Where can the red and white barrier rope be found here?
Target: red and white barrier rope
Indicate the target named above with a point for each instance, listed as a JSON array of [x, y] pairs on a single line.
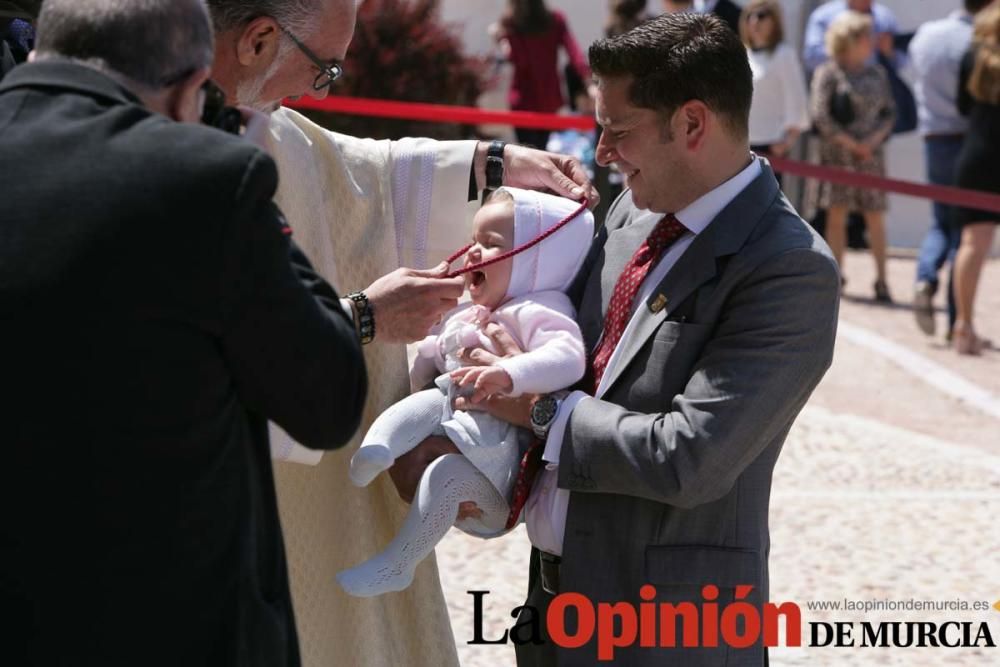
[[939, 193], [441, 113]]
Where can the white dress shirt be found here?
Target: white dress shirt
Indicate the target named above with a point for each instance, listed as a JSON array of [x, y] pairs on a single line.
[[545, 509]]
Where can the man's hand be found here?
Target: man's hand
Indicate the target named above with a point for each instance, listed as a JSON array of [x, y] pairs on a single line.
[[533, 169], [409, 468], [486, 380], [516, 411], [503, 342], [407, 303]]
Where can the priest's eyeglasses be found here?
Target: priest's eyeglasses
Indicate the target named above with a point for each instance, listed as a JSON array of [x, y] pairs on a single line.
[[328, 72]]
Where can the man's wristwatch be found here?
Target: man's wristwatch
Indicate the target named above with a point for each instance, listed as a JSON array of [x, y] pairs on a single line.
[[365, 316], [543, 413], [494, 165]]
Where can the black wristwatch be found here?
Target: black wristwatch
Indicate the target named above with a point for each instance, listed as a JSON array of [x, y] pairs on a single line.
[[494, 165], [543, 413], [365, 315]]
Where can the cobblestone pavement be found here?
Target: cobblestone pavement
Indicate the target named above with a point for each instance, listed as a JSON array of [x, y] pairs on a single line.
[[886, 490]]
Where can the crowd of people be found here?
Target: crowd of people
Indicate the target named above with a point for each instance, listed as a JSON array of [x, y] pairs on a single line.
[[622, 382], [844, 93]]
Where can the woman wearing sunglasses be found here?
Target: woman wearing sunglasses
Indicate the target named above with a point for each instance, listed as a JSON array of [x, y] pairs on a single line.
[[780, 109]]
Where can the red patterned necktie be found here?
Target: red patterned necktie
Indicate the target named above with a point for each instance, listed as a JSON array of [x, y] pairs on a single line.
[[645, 258], [531, 462], [666, 232]]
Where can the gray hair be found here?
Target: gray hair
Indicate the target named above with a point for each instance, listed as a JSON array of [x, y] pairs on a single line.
[[152, 42], [298, 16]]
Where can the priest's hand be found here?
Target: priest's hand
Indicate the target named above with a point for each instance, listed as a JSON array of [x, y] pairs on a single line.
[[407, 303], [532, 169]]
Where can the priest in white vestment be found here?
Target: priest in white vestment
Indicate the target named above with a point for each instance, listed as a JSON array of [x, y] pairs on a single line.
[[359, 209]]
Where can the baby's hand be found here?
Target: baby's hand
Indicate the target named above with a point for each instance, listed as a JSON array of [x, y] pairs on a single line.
[[487, 380]]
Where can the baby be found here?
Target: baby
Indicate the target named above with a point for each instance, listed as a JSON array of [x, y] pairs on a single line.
[[525, 295]]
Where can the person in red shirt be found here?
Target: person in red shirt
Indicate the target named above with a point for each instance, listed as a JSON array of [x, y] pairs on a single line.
[[531, 36]]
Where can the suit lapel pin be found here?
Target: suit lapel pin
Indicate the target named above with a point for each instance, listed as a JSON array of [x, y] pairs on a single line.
[[659, 303]]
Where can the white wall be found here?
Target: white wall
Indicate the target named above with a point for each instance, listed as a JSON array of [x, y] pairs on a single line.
[[908, 218]]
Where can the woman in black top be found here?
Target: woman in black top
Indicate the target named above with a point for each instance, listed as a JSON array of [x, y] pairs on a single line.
[[977, 169]]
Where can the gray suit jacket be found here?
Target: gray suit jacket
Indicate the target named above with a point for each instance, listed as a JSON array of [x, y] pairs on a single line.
[[670, 472]]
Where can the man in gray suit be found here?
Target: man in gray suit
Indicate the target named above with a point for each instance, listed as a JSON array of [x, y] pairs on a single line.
[[710, 309]]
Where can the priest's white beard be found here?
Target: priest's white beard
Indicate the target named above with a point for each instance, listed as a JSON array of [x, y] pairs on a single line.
[[248, 92]]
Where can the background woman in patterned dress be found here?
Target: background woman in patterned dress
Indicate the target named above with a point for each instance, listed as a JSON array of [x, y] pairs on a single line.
[[852, 108]]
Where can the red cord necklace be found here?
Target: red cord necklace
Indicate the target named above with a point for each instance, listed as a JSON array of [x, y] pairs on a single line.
[[516, 251]]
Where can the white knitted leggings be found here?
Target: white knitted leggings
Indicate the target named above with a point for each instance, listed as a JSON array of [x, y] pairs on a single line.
[[396, 431], [447, 482]]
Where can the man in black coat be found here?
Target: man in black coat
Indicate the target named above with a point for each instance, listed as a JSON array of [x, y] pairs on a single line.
[[154, 314]]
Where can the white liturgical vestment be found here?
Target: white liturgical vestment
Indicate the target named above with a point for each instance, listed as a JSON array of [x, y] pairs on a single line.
[[359, 209]]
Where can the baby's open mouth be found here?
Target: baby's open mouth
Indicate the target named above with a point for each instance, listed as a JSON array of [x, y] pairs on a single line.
[[478, 278]]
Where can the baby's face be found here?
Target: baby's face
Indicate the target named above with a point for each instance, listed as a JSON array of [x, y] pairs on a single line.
[[492, 235]]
